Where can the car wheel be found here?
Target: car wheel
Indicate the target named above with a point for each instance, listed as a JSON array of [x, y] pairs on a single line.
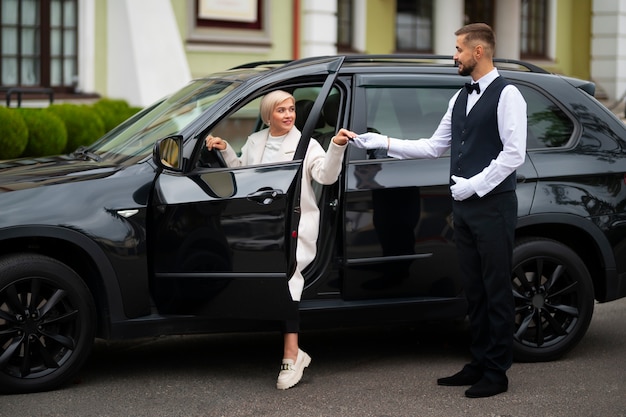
[[553, 299], [47, 323]]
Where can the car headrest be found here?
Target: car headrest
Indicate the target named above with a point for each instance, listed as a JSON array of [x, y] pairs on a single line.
[[303, 110], [331, 109]]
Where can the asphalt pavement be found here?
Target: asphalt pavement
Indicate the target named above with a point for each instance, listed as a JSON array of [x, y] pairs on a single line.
[[369, 372]]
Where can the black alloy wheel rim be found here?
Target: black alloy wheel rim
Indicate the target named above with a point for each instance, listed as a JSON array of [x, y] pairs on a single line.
[[546, 302], [39, 326]]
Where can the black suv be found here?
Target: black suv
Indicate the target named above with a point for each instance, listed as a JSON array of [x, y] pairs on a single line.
[[147, 233]]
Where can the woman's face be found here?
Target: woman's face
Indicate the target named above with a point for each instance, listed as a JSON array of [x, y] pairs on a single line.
[[283, 117]]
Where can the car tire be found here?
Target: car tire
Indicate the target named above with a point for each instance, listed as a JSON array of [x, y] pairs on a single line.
[[554, 299], [47, 323]]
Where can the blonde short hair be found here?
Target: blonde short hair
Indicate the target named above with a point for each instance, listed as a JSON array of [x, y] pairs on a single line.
[[270, 101]]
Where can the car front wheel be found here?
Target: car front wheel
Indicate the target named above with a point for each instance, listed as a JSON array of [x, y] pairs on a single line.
[[47, 323], [553, 299]]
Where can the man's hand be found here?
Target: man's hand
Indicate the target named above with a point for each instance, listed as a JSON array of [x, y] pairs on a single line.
[[371, 141], [462, 189]]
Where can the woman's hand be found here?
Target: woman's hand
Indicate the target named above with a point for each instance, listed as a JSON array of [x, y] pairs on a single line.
[[214, 142], [343, 136]]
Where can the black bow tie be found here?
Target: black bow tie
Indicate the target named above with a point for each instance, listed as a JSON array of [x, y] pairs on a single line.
[[472, 87]]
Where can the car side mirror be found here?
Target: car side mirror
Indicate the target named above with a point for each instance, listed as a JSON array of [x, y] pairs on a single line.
[[167, 153]]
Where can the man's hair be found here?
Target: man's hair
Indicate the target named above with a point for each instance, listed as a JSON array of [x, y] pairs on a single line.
[[270, 101], [480, 33]]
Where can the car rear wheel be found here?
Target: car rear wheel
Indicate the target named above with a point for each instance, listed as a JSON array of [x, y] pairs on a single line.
[[553, 299], [47, 323]]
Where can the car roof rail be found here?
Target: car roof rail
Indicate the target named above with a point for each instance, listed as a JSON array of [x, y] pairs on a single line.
[[408, 57], [284, 62], [395, 57], [530, 67], [388, 58], [256, 64]]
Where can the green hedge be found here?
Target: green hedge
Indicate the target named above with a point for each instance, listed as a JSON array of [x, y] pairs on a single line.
[[59, 128], [83, 125], [47, 134], [113, 112], [14, 134]]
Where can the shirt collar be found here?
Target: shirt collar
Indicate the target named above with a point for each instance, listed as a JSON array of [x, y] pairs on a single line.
[[487, 79]]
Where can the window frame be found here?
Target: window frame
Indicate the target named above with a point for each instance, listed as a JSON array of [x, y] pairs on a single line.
[[43, 50], [534, 30], [345, 26], [220, 35], [414, 27], [480, 11]]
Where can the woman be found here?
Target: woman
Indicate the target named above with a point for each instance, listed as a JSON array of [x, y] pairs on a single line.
[[275, 144]]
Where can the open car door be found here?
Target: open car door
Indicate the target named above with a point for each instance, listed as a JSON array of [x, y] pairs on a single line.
[[225, 238]]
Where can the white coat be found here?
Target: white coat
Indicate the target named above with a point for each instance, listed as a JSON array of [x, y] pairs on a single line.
[[323, 167]]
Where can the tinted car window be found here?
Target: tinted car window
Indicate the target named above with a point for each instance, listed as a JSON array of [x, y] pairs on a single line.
[[548, 125], [414, 113], [236, 127], [410, 113], [136, 138]]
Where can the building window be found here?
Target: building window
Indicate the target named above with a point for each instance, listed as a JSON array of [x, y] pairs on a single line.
[[217, 25], [345, 29], [414, 25], [39, 44], [240, 14], [534, 29], [479, 11]]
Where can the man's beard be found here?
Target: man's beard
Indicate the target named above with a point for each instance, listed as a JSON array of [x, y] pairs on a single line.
[[467, 68]]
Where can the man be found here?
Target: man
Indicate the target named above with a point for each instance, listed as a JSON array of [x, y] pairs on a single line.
[[485, 130]]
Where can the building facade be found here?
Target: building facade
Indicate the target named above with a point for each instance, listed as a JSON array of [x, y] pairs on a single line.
[[142, 50]]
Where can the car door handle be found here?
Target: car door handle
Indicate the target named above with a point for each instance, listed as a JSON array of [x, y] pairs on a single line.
[[264, 196], [521, 178]]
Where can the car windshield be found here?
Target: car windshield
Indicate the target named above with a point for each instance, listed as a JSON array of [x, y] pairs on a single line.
[[135, 138]]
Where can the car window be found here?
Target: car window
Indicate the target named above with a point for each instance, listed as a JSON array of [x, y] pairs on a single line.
[[406, 112], [237, 126], [415, 112], [135, 138], [548, 125]]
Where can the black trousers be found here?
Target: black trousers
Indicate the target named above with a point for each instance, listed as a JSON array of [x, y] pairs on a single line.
[[484, 232], [292, 325]]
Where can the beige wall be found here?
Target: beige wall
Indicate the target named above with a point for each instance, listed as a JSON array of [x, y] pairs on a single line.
[[573, 39], [380, 28], [100, 47], [207, 59]]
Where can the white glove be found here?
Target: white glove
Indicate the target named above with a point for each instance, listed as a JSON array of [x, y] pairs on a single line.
[[462, 189], [371, 141]]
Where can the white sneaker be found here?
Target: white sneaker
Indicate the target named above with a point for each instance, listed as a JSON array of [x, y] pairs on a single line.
[[290, 372]]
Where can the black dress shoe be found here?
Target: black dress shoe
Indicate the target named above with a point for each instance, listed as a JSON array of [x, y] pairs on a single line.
[[485, 388], [464, 377]]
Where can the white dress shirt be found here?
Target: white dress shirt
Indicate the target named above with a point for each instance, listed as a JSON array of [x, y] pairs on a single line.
[[512, 126]]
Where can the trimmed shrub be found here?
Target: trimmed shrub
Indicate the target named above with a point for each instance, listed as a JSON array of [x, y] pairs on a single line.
[[112, 112], [46, 133], [14, 137], [83, 125], [133, 110]]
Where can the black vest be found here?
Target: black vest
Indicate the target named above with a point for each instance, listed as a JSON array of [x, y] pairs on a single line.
[[475, 137]]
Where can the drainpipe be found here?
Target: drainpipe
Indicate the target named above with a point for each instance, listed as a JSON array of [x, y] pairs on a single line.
[[296, 30]]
